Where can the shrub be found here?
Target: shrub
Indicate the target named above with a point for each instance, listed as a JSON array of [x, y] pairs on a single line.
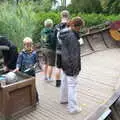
[[41, 17], [95, 19], [16, 22]]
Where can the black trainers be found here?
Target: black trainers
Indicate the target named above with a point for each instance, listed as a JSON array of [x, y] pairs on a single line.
[[58, 83], [64, 102]]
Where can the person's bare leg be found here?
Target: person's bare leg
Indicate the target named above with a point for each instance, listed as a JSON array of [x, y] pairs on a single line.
[[49, 72], [58, 71], [45, 71], [57, 77]]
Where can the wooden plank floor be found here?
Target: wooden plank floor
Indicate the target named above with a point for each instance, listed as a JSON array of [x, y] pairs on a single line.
[[98, 80]]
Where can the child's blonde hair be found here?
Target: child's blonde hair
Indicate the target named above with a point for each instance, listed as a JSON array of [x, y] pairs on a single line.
[[27, 40]]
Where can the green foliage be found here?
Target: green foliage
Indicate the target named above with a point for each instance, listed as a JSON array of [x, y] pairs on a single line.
[[95, 6], [96, 19], [86, 6], [43, 5], [27, 19], [90, 20], [111, 6], [16, 22], [41, 17]]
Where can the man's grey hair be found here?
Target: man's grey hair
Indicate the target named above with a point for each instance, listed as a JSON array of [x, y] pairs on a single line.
[[48, 22]]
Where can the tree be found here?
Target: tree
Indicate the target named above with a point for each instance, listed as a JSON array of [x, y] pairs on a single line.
[[87, 6], [17, 1], [63, 3], [53, 3], [111, 6], [2, 1]]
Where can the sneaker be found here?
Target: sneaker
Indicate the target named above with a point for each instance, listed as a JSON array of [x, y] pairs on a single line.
[[49, 80], [37, 102], [78, 110]]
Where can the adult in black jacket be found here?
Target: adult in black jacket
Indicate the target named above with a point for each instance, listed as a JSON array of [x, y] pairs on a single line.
[[71, 63], [48, 48], [70, 52], [10, 54]]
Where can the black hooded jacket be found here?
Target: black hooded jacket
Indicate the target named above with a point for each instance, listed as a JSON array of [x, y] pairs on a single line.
[[10, 55], [70, 52], [57, 29]]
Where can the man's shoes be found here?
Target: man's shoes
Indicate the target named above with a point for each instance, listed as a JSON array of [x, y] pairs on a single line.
[[78, 110], [58, 83], [49, 80], [64, 102]]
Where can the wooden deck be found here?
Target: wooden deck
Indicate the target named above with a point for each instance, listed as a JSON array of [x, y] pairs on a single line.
[[99, 78]]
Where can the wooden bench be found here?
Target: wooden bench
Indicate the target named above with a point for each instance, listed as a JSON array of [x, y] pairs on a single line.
[[17, 98]]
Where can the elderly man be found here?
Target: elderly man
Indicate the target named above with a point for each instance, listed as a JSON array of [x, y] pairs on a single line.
[[48, 44]]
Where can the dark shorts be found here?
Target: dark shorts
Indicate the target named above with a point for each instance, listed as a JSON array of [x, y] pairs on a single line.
[[49, 57], [58, 61]]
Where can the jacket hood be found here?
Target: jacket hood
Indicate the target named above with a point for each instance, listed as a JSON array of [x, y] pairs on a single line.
[[5, 42], [64, 33]]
